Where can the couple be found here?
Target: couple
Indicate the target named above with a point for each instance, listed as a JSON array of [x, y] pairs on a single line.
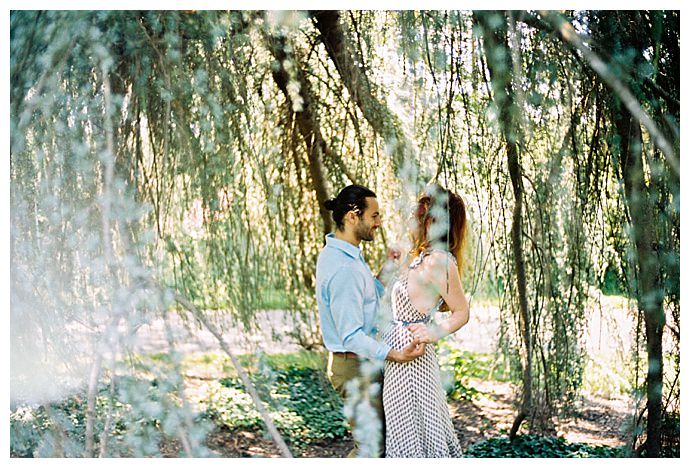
[[412, 407]]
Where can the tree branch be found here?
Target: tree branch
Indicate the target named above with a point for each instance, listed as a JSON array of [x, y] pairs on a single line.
[[282, 446], [305, 116], [382, 120], [567, 34]]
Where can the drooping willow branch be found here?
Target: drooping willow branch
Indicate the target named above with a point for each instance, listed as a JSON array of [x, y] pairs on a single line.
[[268, 421], [498, 61], [569, 35]]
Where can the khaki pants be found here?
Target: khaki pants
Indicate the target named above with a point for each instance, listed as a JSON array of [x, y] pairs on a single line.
[[341, 370]]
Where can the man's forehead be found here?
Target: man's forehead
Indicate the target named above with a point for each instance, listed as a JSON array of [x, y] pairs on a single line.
[[372, 204]]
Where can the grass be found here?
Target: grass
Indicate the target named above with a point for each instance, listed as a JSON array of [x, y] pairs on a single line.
[[219, 362], [293, 386]]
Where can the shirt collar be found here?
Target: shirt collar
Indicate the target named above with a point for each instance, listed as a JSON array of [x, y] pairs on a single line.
[[351, 250]]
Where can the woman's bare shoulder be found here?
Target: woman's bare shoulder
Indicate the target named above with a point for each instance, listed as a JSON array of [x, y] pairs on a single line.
[[438, 263], [441, 258]]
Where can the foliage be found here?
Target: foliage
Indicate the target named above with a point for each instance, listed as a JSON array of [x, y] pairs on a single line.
[[458, 366], [608, 377], [670, 442], [273, 299], [302, 403], [532, 446], [194, 149], [300, 399], [612, 283], [139, 418]]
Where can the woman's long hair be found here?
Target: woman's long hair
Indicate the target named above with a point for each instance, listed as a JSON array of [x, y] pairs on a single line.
[[440, 223]]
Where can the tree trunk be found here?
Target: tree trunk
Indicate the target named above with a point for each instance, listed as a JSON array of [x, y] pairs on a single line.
[[306, 119], [628, 115], [362, 92], [644, 221], [498, 60]]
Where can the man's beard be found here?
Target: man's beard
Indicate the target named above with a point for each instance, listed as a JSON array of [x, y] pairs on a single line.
[[364, 232]]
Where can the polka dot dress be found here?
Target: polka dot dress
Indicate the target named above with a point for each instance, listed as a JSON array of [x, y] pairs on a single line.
[[418, 422]]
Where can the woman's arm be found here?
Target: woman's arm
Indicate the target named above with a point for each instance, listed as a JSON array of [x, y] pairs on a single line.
[[390, 266], [442, 275]]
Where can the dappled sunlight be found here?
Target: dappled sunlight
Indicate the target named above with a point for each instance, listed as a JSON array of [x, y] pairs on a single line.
[[169, 178]]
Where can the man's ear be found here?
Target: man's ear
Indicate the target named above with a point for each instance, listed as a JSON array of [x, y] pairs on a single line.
[[350, 216]]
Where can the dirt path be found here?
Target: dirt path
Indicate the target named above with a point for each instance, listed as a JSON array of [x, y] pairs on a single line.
[[599, 421], [609, 330], [274, 332]]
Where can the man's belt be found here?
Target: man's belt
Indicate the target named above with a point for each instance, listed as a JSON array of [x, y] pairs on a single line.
[[345, 354]]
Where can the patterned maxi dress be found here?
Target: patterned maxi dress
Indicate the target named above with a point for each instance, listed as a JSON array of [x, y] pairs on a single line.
[[418, 422]]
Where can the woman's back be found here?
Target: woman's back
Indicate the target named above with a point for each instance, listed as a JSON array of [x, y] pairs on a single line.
[[428, 278]]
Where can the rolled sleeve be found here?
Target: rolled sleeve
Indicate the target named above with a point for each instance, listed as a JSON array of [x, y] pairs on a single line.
[[380, 288], [347, 306]]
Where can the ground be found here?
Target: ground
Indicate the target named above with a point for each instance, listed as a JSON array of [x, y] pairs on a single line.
[[599, 421]]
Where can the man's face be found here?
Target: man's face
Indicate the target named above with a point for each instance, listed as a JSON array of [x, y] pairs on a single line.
[[370, 220]]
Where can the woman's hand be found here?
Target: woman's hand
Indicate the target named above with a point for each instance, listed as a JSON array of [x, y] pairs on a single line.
[[422, 333], [410, 353], [393, 253], [390, 266]]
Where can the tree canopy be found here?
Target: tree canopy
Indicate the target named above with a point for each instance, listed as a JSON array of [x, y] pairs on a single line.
[[157, 155]]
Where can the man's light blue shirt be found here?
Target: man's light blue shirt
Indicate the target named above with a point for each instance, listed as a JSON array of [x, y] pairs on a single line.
[[348, 298]]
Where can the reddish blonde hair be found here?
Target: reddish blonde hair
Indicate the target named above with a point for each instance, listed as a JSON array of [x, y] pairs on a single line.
[[452, 239]]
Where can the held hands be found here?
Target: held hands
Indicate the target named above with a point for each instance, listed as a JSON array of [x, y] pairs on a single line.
[[390, 266], [393, 254], [409, 353], [413, 350], [422, 333]]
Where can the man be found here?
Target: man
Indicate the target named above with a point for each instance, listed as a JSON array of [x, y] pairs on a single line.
[[348, 295]]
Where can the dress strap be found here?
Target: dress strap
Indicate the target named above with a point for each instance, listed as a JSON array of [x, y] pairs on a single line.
[[418, 260]]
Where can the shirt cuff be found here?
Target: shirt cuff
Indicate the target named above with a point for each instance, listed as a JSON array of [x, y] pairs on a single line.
[[382, 352]]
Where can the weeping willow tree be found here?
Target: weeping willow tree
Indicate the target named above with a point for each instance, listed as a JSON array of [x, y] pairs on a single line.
[[187, 150], [187, 155], [621, 95], [646, 148]]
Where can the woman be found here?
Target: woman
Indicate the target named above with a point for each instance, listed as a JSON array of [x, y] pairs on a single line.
[[417, 418]]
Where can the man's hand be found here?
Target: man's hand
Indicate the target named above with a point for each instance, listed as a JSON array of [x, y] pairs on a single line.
[[410, 353], [422, 333]]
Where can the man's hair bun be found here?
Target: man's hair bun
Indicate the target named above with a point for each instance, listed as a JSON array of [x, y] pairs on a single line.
[[351, 198]]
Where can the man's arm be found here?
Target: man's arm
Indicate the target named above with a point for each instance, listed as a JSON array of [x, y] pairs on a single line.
[[347, 306]]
